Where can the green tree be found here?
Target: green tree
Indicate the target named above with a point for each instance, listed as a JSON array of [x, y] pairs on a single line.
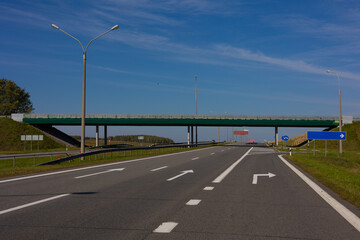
[[13, 99]]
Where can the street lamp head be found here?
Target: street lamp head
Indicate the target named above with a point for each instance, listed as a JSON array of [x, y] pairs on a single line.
[[115, 27], [328, 71], [55, 27]]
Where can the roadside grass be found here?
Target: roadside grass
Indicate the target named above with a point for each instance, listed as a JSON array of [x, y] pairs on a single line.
[[27, 165], [342, 174], [339, 172]]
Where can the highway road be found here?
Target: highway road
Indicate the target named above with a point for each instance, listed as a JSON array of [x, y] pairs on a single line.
[[223, 192]]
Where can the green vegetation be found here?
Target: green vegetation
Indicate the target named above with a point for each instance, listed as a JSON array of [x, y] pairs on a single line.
[[10, 137], [13, 99], [341, 174]]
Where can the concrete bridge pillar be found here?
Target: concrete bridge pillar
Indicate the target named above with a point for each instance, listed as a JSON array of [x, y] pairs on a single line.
[[276, 135], [192, 134], [196, 135], [188, 135], [105, 135], [97, 136]]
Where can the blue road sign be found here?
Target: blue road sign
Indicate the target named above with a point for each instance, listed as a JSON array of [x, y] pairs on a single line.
[[326, 135], [285, 138]]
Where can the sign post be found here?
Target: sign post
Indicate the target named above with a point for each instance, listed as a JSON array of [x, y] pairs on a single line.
[[241, 133], [314, 135], [285, 138], [31, 138]]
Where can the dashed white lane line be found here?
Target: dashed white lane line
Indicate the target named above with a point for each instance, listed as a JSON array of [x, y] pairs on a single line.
[[222, 150], [208, 188], [33, 203], [166, 227], [229, 169], [341, 209], [107, 171], [212, 153], [157, 169], [193, 202], [195, 158]]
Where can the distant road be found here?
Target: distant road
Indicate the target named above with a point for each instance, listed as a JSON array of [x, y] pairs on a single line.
[[201, 194]]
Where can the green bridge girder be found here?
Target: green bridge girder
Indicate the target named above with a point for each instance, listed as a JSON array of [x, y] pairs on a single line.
[[184, 120]]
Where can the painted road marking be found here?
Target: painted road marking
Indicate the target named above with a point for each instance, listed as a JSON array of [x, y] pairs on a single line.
[[222, 150], [181, 174], [33, 203], [255, 177], [193, 202], [157, 169], [208, 188], [229, 169], [166, 227], [212, 153], [341, 209], [107, 171], [98, 166], [195, 158]]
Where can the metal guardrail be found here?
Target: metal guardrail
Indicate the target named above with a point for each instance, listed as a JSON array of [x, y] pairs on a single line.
[[81, 155]]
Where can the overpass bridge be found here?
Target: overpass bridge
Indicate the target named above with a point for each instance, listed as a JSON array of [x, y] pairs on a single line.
[[46, 122]]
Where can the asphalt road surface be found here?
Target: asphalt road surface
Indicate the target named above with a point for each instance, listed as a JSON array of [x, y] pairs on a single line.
[[224, 192]]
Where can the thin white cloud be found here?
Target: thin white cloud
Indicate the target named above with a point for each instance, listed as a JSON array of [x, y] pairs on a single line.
[[219, 54]]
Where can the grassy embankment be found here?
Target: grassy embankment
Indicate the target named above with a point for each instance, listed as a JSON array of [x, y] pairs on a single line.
[[10, 138], [341, 174]]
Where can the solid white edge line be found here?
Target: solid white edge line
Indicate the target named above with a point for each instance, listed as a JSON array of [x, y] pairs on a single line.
[[193, 202], [33, 203], [229, 169], [208, 188], [166, 227], [341, 209], [157, 169], [98, 166]]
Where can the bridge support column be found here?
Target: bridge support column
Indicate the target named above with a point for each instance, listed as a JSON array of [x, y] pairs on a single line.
[[105, 135], [188, 135], [97, 136], [192, 134], [276, 135], [196, 135]]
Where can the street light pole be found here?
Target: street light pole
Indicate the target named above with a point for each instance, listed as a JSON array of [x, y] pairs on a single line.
[[340, 116], [84, 79]]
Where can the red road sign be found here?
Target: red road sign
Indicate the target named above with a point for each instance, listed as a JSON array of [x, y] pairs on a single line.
[[246, 132]]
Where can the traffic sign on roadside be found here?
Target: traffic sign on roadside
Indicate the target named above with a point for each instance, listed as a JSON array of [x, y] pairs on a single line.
[[285, 138], [244, 132], [326, 135]]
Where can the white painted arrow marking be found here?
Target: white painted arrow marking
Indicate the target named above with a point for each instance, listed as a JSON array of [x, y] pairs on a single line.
[[181, 174], [255, 177], [107, 171]]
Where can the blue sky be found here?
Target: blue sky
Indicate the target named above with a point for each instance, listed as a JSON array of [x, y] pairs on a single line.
[[251, 57]]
